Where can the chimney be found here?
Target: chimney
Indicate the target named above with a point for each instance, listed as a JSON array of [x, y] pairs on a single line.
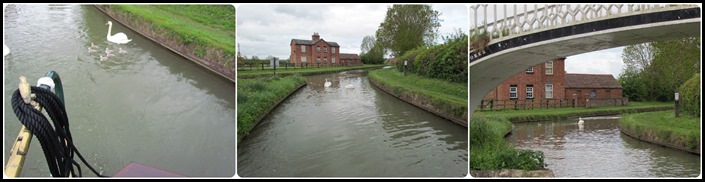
[[315, 36]]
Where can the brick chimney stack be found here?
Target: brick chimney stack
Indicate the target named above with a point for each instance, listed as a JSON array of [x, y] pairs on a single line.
[[315, 36]]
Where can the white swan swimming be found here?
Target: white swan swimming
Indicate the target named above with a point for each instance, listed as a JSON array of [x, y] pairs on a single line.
[[349, 86], [118, 38], [327, 84], [580, 121], [5, 50]]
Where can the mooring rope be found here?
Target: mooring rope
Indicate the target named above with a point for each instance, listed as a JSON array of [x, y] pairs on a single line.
[[56, 142]]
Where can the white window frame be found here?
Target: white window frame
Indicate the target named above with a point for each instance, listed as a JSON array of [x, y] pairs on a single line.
[[318, 60], [530, 92], [325, 60], [333, 60], [332, 49], [303, 48], [303, 59], [549, 68], [513, 92], [325, 49], [530, 70], [549, 91], [318, 48]]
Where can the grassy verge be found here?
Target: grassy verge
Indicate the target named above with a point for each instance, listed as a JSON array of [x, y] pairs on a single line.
[[204, 31], [258, 96], [490, 151], [663, 127], [564, 113], [447, 96], [258, 72]]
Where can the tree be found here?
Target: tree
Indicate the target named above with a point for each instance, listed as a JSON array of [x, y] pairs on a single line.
[[654, 71], [367, 44], [406, 27], [371, 51]]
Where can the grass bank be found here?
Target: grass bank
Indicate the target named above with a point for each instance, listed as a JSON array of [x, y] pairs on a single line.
[[258, 96], [664, 128], [565, 113], [490, 151], [258, 72], [202, 32], [441, 96]]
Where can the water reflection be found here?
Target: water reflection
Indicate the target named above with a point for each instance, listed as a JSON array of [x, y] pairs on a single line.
[[599, 149], [351, 132]]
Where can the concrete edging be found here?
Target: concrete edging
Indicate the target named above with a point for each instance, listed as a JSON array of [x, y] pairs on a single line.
[[405, 99], [261, 117], [194, 60], [653, 141]]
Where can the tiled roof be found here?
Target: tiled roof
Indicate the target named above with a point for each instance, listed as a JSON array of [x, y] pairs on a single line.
[[311, 42], [349, 56], [591, 81]]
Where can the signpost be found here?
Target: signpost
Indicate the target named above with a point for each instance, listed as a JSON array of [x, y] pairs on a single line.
[[404, 70], [676, 104], [274, 63]]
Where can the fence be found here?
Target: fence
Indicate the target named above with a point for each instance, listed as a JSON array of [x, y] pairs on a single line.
[[489, 105], [282, 65]]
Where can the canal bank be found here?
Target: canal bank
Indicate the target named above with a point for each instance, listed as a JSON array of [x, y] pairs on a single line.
[[257, 97], [516, 116], [663, 128], [491, 155], [190, 34], [443, 98]]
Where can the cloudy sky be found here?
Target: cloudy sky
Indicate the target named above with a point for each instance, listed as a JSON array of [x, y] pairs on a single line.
[[264, 30]]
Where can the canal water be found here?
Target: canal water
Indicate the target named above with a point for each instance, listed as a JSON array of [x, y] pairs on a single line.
[[148, 105], [352, 132], [599, 149]]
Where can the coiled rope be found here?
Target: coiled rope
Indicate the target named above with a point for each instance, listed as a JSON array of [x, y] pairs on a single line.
[[56, 142]]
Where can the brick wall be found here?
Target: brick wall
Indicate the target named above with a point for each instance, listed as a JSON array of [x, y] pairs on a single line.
[[538, 78]]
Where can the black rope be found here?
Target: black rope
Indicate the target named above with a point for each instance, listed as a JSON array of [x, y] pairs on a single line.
[[56, 141]]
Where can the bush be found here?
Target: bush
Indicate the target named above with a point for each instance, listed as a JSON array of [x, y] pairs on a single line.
[[690, 96], [490, 151], [446, 61]]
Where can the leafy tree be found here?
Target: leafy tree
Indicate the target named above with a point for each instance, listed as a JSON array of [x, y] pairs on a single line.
[[371, 51], [407, 26]]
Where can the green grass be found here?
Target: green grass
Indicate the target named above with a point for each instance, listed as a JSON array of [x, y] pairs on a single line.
[[665, 127], [255, 98], [490, 151], [446, 95], [566, 112], [258, 72], [207, 25]]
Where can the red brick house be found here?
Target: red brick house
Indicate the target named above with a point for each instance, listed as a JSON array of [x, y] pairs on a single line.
[[319, 52], [548, 85], [543, 81]]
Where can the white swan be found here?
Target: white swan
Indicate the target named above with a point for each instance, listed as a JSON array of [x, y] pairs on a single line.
[[118, 38], [327, 84], [349, 86], [5, 50], [580, 121], [121, 51], [108, 51]]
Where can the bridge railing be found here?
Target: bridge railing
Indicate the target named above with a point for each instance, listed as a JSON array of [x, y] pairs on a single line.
[[526, 20], [530, 104]]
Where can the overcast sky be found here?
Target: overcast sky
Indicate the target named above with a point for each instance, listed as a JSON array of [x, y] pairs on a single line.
[[264, 30]]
